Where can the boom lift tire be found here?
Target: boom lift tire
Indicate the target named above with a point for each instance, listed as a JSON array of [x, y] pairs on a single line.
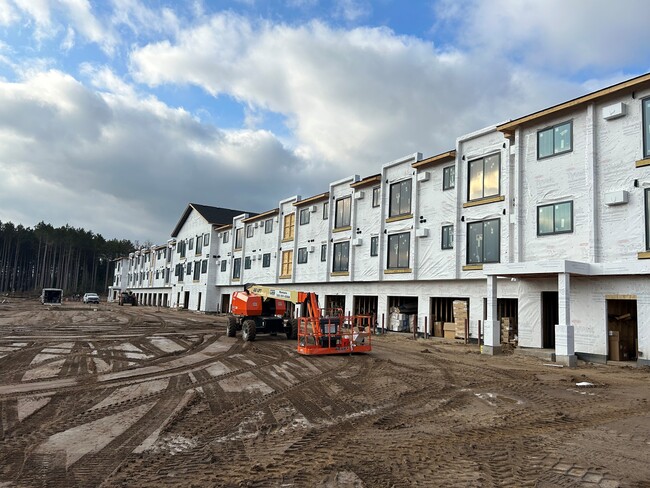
[[292, 335], [248, 330], [231, 327]]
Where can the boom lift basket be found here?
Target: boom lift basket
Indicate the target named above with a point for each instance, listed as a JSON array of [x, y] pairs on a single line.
[[336, 334]]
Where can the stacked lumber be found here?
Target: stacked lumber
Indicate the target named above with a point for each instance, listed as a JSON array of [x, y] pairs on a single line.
[[507, 330], [460, 315]]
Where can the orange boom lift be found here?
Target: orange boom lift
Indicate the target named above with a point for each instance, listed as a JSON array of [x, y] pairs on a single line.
[[318, 331]]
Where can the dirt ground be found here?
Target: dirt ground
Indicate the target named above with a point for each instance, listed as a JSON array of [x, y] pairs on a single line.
[[134, 396]]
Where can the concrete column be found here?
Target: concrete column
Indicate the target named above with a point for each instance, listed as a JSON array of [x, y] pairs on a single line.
[[492, 327], [564, 334]]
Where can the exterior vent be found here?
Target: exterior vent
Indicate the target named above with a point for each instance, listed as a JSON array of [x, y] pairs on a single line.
[[311, 249], [358, 195], [614, 111], [423, 176], [313, 208], [422, 233], [616, 198], [357, 242]]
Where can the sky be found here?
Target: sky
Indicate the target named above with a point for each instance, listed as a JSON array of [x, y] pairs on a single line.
[[115, 114]]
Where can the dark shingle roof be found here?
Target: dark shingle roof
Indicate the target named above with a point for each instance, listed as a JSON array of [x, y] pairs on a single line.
[[212, 215]]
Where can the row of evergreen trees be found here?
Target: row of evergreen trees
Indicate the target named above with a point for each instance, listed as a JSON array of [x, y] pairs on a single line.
[[75, 260]]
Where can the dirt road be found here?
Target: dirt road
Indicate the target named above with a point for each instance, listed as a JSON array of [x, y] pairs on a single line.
[[120, 396]]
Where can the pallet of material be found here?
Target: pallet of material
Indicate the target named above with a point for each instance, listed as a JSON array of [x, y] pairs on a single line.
[[449, 329]]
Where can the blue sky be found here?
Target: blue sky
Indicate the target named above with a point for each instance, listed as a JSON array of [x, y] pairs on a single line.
[[119, 106]]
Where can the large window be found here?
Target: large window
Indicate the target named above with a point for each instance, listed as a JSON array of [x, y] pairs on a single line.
[[224, 237], [197, 271], [483, 241], [191, 244], [646, 127], [302, 255], [448, 177], [323, 252], [247, 262], [484, 177], [376, 196], [326, 210], [236, 268], [289, 226], [374, 245], [199, 245], [266, 260], [400, 198], [287, 264], [343, 209], [341, 257], [555, 140], [223, 265], [249, 231], [206, 239], [447, 237], [268, 226], [304, 216], [238, 238], [555, 219], [399, 250], [204, 266]]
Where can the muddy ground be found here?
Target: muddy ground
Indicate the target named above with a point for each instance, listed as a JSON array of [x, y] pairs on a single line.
[[120, 396]]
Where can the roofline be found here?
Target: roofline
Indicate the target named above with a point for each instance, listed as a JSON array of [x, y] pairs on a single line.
[[315, 198], [223, 227], [367, 181], [424, 163], [261, 216], [508, 127]]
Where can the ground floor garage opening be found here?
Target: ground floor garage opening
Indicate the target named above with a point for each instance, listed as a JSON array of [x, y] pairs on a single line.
[[622, 330], [550, 317], [335, 302], [403, 313], [507, 315], [225, 303]]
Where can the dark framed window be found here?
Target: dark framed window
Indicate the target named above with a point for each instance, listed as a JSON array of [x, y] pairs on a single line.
[[484, 241], [374, 245], [343, 211], [166, 275], [223, 265], [181, 246], [189, 269], [399, 249], [304, 216], [448, 177], [249, 231], [556, 218], [268, 226], [204, 266], [191, 244], [484, 177], [247, 262], [236, 268], [646, 127], [323, 252], [376, 196], [302, 255], [554, 140], [326, 210], [199, 245], [400, 198], [224, 237], [266, 260], [197, 271], [238, 238], [206, 239], [447, 237], [157, 274], [341, 257]]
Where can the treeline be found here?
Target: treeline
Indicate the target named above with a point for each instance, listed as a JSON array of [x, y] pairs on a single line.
[[75, 260]]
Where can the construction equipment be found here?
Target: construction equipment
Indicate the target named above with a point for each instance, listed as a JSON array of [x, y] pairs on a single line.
[[259, 309], [128, 298]]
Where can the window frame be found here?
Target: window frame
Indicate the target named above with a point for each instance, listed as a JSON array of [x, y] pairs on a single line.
[[196, 276], [449, 180], [236, 269], [552, 130], [302, 255], [268, 226], [239, 237], [347, 220], [337, 265], [225, 237], [555, 232], [224, 264], [287, 264], [247, 262], [323, 253], [204, 266], [206, 240], [646, 126], [392, 212], [266, 260], [389, 252], [467, 250], [199, 246], [483, 195], [374, 246], [289, 227], [448, 243], [190, 244], [304, 216], [250, 231], [376, 196], [326, 210]]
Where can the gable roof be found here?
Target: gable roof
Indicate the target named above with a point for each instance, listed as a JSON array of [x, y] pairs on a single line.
[[212, 215]]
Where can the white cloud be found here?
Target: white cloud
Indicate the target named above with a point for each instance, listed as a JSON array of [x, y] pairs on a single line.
[[7, 13], [82, 18], [351, 10]]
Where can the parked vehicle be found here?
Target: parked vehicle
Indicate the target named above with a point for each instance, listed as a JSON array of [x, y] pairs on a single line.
[[91, 298], [128, 298], [51, 296]]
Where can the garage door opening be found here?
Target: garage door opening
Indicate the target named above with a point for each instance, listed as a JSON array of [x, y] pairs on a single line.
[[441, 312], [403, 313], [334, 302], [366, 305], [550, 317], [622, 330], [507, 315]]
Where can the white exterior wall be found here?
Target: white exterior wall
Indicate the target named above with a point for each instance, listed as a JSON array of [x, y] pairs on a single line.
[[286, 207], [262, 243], [311, 236], [338, 190], [223, 251], [368, 225]]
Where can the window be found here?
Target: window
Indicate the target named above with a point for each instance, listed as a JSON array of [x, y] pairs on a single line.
[[304, 216], [268, 226], [189, 269], [342, 217], [399, 250], [249, 231], [199, 245], [191, 244], [326, 210], [236, 268], [157, 274], [323, 253], [483, 241], [287, 263], [555, 219], [206, 239], [302, 255], [180, 273], [181, 248], [247, 262], [374, 245], [223, 265], [400, 198], [238, 238], [266, 260], [449, 177], [197, 271], [484, 177], [376, 196], [341, 257], [166, 275], [204, 266], [554, 140], [224, 237], [289, 225], [447, 237], [646, 127]]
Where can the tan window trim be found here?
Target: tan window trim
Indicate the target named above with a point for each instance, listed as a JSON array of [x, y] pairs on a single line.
[[340, 273], [237, 249], [472, 267], [342, 229], [398, 271], [643, 162], [644, 255], [284, 277], [484, 201], [399, 217], [620, 297], [289, 239], [236, 279]]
